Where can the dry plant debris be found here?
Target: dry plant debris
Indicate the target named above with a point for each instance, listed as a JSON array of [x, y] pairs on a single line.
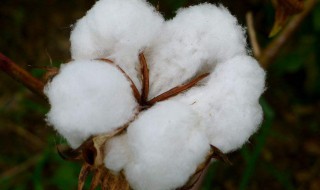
[[285, 9]]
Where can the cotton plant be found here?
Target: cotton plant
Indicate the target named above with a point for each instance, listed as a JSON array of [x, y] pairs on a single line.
[[148, 103]]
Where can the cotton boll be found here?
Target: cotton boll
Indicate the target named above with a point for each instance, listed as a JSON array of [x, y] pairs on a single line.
[[118, 153], [89, 98], [167, 145], [193, 42], [229, 102], [117, 29]]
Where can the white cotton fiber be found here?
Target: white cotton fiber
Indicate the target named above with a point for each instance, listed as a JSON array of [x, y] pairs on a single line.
[[117, 29], [88, 98], [165, 142], [84, 44], [118, 153], [167, 145], [193, 42], [229, 102]]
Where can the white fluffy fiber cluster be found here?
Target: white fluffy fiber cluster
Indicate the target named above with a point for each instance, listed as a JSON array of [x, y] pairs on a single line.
[[228, 102], [118, 29], [164, 144], [196, 40], [87, 98]]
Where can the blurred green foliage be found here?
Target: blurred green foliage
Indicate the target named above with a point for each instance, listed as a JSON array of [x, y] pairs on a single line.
[[283, 154]]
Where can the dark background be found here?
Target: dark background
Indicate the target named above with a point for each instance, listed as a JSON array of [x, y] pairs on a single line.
[[284, 154]]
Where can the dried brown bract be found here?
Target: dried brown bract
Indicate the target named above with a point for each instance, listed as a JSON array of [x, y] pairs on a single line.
[[285, 9]]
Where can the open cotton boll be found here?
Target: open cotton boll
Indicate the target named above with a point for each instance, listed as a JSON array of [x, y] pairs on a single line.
[[167, 145], [229, 102], [118, 153], [117, 29], [193, 42], [89, 98]]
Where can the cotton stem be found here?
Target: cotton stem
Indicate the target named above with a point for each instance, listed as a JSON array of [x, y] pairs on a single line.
[[21, 75], [252, 35]]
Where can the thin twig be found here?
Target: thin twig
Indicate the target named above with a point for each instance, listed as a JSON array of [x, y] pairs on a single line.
[[252, 35], [269, 54], [22, 76]]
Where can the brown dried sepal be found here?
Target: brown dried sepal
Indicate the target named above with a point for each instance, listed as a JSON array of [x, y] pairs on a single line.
[[50, 73], [102, 177], [214, 153], [145, 78], [91, 152], [285, 9], [114, 181]]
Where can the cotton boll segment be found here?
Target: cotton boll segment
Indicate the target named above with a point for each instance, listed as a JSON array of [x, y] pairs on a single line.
[[229, 102], [84, 44], [193, 42], [116, 25], [218, 32], [117, 29], [167, 145], [89, 98], [118, 153]]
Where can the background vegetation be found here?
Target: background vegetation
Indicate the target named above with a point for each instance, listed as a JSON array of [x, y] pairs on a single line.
[[284, 154]]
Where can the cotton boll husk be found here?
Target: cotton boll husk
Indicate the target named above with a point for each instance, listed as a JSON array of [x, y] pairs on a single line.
[[193, 42], [89, 98], [116, 29], [118, 153], [229, 102], [167, 144]]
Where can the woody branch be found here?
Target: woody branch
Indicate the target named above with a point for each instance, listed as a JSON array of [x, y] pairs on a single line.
[[21, 75]]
